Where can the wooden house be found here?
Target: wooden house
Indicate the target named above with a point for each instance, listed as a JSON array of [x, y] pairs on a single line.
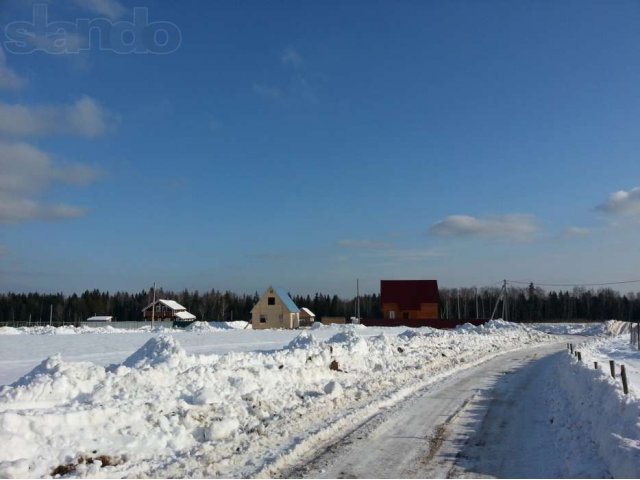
[[275, 309], [166, 310], [409, 299], [307, 317]]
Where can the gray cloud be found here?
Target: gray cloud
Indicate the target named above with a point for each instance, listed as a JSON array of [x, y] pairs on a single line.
[[518, 227], [85, 117], [26, 173], [622, 203], [577, 232]]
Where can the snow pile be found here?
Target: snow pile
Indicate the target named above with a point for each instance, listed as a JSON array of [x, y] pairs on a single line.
[[217, 326], [616, 327], [157, 351], [585, 329], [165, 413], [607, 416], [200, 327], [9, 331]]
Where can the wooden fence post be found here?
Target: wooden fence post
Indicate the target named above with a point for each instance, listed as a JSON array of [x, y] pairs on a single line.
[[579, 357], [625, 385], [595, 365], [571, 348], [612, 367]]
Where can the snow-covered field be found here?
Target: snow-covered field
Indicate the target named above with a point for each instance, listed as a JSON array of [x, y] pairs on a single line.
[[207, 403], [233, 402]]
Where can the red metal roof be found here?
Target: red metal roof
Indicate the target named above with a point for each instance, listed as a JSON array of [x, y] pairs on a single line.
[[409, 294]]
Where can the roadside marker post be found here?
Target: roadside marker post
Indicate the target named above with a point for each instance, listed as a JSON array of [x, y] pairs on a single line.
[[612, 367], [625, 385]]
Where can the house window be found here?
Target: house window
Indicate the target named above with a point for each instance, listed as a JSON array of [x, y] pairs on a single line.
[[405, 315], [263, 319], [392, 315], [271, 300]]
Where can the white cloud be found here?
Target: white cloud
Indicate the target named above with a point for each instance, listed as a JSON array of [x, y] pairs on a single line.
[[267, 90], [108, 8], [622, 203], [85, 117], [291, 56], [9, 80], [577, 232], [510, 227], [26, 173], [13, 211]]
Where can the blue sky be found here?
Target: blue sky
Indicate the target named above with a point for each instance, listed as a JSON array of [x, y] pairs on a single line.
[[307, 144]]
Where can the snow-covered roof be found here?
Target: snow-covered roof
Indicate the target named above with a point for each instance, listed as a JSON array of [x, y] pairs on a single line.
[[185, 316], [307, 311], [172, 304], [100, 318]]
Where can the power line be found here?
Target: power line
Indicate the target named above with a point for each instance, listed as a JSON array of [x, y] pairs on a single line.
[[573, 284]]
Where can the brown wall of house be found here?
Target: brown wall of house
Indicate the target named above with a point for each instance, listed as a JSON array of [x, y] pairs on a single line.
[[333, 320], [428, 311], [158, 315]]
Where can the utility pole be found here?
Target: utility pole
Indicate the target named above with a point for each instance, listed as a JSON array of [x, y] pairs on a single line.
[[502, 297], [458, 293], [153, 305], [50, 314], [505, 311], [358, 299]]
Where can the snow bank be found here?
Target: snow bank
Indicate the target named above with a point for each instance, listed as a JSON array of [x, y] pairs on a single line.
[[165, 413], [217, 326], [85, 329], [607, 416], [616, 327], [64, 330], [585, 329]]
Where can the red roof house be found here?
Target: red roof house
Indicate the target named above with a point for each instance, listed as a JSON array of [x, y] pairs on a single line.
[[409, 299]]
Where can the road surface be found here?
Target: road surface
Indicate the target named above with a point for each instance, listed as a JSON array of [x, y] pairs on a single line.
[[503, 418]]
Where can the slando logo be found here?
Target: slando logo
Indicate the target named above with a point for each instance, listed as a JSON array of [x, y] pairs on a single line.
[[139, 36]]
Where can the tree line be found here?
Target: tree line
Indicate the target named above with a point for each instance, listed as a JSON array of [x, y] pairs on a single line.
[[523, 304]]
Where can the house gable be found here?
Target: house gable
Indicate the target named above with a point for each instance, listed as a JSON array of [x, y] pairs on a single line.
[[275, 309]]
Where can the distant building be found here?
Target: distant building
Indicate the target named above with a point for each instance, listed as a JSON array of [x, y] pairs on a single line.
[[100, 318], [307, 317], [333, 320], [409, 299], [166, 310], [275, 309]]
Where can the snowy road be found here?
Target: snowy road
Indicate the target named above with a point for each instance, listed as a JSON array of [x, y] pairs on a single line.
[[503, 418]]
